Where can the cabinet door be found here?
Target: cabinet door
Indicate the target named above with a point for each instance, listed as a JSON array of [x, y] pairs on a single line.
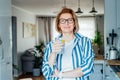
[[118, 13], [5, 41], [98, 72], [6, 70], [110, 74]]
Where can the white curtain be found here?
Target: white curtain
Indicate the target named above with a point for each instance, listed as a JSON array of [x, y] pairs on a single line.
[[87, 26], [44, 29]]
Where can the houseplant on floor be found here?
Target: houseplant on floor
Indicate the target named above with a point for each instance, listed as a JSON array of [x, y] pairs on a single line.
[[38, 53]]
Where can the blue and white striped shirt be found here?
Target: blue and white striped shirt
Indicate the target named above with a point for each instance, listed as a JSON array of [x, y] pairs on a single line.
[[82, 57]]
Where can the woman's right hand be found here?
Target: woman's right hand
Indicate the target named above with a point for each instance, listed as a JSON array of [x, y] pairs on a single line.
[[57, 46]]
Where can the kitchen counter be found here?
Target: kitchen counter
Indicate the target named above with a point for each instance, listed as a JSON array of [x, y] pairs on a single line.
[[109, 62], [113, 62], [99, 57]]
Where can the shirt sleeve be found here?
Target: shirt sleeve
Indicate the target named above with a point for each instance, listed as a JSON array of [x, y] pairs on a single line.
[[46, 69], [88, 59]]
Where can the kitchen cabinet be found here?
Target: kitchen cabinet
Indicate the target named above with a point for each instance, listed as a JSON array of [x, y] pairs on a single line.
[[98, 71], [118, 13], [110, 74]]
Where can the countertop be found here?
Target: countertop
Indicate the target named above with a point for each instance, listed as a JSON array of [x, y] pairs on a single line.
[[113, 62], [109, 62], [99, 57]]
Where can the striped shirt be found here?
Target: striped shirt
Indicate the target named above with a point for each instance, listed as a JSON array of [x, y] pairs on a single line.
[[82, 57]]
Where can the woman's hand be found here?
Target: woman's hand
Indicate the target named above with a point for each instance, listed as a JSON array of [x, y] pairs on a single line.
[[57, 46], [56, 73]]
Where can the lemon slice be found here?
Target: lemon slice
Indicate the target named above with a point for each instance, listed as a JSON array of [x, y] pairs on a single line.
[[63, 41]]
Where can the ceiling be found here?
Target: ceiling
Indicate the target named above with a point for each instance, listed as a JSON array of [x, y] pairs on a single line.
[[51, 7]]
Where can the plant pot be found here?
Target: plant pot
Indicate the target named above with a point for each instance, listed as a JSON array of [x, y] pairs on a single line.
[[36, 71]]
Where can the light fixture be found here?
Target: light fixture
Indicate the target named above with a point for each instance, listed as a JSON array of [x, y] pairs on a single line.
[[64, 6], [79, 10], [93, 9]]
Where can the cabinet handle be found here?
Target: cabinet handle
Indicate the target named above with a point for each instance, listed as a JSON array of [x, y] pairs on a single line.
[[107, 76], [0, 41], [2, 53], [101, 71], [2, 56], [1, 44], [8, 63]]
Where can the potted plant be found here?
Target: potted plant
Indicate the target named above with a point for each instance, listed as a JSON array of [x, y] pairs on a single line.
[[38, 54], [40, 48], [97, 41]]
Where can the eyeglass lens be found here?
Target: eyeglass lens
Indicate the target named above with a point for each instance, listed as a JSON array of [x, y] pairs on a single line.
[[69, 20]]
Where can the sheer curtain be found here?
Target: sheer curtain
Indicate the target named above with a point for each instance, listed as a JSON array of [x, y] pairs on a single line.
[[87, 26], [44, 29]]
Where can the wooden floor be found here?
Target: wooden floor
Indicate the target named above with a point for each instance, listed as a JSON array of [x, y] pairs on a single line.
[[29, 75]]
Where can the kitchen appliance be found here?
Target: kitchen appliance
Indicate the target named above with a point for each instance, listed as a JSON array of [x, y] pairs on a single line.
[[112, 51]]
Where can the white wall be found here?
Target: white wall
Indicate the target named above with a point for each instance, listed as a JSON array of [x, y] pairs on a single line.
[[23, 43]]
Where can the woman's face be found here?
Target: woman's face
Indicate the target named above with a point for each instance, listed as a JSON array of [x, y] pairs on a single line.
[[66, 23]]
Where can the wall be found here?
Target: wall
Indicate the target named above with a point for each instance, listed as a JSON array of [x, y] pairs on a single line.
[[23, 43]]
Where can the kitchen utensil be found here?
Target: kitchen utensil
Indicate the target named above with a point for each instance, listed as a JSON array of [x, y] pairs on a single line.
[[112, 35], [112, 53]]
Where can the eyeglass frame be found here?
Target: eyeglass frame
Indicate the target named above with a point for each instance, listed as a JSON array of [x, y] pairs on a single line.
[[68, 20]]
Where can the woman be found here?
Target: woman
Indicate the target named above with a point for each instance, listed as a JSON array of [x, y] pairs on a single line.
[[76, 63]]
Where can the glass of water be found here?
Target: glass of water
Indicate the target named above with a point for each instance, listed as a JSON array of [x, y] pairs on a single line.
[[63, 45]]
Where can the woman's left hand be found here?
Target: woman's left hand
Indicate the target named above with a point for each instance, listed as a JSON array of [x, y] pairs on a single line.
[[56, 73]]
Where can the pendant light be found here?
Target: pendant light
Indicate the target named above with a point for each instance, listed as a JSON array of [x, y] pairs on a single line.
[[79, 10], [93, 9], [64, 6]]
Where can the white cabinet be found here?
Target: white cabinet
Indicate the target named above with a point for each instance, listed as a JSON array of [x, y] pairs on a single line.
[[6, 70], [118, 13], [5, 42], [98, 71], [110, 74]]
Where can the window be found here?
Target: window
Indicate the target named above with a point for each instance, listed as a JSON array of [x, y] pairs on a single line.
[[87, 26]]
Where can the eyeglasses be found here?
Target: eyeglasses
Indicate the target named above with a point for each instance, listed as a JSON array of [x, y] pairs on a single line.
[[63, 21]]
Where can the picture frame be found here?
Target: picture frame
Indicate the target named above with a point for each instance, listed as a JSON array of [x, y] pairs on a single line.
[[28, 30]]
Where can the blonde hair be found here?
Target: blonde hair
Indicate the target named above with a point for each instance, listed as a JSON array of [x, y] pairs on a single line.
[[67, 10]]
